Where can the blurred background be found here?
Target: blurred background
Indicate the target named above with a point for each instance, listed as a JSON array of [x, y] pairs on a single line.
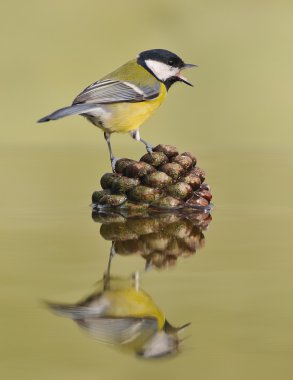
[[52, 50], [237, 120]]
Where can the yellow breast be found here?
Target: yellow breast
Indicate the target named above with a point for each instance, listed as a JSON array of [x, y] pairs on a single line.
[[132, 303], [125, 117]]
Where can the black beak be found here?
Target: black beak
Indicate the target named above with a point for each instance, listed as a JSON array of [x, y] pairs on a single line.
[[182, 78], [189, 65]]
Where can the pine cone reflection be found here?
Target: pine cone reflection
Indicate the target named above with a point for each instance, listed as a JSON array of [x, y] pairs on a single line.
[[159, 238]]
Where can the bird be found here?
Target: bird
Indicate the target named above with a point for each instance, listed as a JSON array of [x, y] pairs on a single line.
[[121, 314], [124, 99]]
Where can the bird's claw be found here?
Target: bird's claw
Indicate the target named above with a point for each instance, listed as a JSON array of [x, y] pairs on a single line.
[[149, 149], [113, 162]]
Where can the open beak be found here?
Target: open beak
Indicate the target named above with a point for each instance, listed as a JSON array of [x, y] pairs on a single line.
[[181, 77]]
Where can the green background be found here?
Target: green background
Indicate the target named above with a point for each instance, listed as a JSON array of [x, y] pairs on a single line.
[[238, 121], [51, 50]]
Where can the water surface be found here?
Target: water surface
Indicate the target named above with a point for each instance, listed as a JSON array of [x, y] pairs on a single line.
[[236, 292]]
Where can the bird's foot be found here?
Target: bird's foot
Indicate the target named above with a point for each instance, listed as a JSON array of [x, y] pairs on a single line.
[[113, 163], [149, 148]]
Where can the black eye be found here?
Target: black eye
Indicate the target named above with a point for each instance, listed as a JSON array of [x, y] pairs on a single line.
[[171, 62]]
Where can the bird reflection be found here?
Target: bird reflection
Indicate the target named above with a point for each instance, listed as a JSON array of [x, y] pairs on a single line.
[[121, 314], [159, 238]]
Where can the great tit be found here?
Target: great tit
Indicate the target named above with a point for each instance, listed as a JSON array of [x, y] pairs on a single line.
[[121, 314], [122, 100]]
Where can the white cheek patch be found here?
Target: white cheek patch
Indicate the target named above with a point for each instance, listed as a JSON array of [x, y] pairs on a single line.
[[161, 70]]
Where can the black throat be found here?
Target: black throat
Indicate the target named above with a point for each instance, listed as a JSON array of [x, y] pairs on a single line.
[[168, 83]]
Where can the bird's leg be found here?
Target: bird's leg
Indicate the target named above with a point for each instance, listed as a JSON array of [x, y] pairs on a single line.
[[136, 136], [112, 158], [135, 278], [148, 265], [112, 254], [107, 273]]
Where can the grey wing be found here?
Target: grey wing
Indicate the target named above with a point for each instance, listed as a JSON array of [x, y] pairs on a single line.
[[119, 330], [114, 91]]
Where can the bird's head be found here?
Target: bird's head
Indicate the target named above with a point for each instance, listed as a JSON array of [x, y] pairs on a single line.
[[164, 65]]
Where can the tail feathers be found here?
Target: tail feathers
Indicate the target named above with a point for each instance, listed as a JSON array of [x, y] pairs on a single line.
[[76, 311], [67, 111]]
